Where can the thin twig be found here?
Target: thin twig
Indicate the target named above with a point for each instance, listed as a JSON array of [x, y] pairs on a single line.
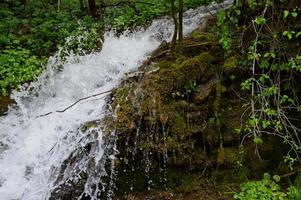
[[291, 173], [82, 99]]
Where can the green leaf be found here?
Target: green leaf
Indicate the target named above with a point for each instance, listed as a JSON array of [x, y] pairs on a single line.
[[260, 20], [276, 178], [237, 130], [285, 14], [270, 112], [246, 85], [265, 124], [294, 14], [257, 140]]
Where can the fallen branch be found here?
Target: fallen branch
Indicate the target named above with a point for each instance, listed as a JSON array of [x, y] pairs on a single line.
[[120, 3], [82, 99], [162, 53], [205, 44], [291, 173]]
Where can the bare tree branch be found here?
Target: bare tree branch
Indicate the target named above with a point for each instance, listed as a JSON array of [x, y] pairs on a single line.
[[82, 99]]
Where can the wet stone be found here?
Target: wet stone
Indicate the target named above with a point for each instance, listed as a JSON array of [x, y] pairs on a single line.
[[4, 103]]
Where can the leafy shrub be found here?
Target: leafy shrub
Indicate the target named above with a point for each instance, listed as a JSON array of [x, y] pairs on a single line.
[[17, 67], [29, 35], [81, 41], [294, 193], [138, 13], [274, 67], [267, 188]]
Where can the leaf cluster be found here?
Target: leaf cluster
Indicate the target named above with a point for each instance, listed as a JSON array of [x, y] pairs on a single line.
[[267, 188]]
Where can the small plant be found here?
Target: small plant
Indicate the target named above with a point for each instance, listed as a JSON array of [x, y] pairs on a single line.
[[267, 188], [294, 191], [18, 67], [191, 87]]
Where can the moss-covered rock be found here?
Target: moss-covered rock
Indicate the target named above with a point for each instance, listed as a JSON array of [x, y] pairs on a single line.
[[163, 113], [180, 114], [231, 64]]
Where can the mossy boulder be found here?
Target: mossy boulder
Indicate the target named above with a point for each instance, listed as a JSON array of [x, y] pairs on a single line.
[[179, 113], [163, 111], [231, 64], [177, 75]]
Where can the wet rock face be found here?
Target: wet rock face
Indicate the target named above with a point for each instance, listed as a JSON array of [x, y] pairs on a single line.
[[165, 119], [176, 118], [81, 168], [4, 103], [204, 90]]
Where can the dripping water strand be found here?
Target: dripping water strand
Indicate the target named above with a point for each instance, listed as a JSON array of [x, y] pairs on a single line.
[[165, 156]]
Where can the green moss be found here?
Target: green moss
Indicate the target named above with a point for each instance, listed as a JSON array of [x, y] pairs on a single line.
[[178, 125], [204, 36], [233, 157], [121, 93], [231, 63], [177, 75], [163, 64], [126, 112], [172, 142], [90, 125], [189, 184], [230, 67], [219, 88], [183, 120]]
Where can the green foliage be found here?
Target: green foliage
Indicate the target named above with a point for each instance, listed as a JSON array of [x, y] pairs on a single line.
[[140, 13], [82, 40], [191, 87], [17, 67], [29, 35], [294, 191], [136, 14], [267, 188], [225, 34], [275, 66], [40, 29], [42, 32]]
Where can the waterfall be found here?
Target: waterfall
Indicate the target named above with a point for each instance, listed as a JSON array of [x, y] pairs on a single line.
[[35, 140]]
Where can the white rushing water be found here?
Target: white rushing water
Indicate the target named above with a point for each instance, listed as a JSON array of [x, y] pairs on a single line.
[[32, 149]]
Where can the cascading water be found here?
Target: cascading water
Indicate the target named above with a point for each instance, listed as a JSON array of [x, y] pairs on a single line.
[[33, 149]]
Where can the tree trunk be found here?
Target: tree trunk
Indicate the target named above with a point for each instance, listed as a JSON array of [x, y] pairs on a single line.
[[92, 8], [81, 3], [58, 5], [23, 2], [181, 10], [174, 17], [102, 9]]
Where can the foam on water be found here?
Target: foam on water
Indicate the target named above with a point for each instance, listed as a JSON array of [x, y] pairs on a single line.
[[32, 149]]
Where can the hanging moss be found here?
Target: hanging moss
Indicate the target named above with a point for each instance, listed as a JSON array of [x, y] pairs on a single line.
[[203, 37], [178, 125], [231, 63]]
